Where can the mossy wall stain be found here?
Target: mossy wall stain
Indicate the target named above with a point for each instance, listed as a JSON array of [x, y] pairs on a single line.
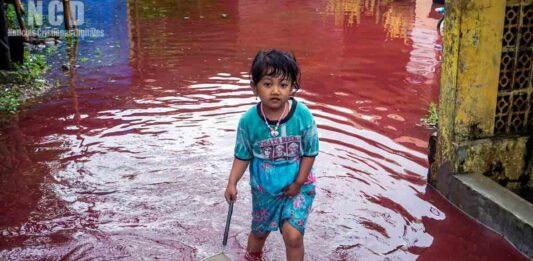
[[472, 51]]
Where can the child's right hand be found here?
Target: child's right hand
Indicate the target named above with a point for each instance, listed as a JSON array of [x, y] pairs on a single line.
[[231, 193]]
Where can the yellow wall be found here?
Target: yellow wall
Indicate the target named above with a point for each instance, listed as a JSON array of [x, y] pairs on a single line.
[[472, 50]]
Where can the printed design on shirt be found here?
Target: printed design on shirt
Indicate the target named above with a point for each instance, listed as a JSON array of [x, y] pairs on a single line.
[[280, 148]]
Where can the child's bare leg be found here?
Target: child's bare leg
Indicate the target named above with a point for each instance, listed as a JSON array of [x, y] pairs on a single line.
[[256, 243], [294, 242]]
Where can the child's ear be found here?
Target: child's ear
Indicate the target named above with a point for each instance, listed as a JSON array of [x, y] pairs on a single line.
[[254, 89], [293, 89]]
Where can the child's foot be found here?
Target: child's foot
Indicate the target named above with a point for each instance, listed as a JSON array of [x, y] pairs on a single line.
[[253, 256]]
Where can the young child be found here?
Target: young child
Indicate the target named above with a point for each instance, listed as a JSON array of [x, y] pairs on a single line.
[[278, 139]]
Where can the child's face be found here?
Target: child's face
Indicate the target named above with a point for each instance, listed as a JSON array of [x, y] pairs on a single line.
[[274, 92]]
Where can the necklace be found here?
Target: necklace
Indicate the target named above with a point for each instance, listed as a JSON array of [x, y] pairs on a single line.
[[273, 131]]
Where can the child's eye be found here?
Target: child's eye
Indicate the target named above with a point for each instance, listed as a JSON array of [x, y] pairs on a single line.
[[267, 84], [284, 85]]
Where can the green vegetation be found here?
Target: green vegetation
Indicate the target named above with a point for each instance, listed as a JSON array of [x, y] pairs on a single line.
[[432, 118], [27, 79], [32, 70], [12, 21], [11, 17], [50, 50], [9, 100], [30, 74]]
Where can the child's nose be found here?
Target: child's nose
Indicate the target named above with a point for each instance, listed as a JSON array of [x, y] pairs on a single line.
[[275, 89]]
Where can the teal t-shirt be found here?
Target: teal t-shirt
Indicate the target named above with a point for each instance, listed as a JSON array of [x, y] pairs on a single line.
[[297, 137]]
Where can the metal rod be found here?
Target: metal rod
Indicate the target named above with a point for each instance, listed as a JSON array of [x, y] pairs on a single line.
[[228, 221], [19, 10]]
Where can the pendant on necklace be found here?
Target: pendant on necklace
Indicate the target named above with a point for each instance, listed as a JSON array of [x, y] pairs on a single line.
[[274, 131]]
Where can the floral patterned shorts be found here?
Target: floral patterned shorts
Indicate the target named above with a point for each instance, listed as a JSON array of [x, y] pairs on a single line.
[[270, 211]]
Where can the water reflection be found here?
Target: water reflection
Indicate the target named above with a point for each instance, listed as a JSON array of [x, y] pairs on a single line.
[[397, 17], [399, 20]]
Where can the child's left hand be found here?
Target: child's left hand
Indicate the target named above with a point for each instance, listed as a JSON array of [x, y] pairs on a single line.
[[292, 190]]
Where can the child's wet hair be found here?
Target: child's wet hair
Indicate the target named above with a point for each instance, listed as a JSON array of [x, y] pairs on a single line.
[[275, 63]]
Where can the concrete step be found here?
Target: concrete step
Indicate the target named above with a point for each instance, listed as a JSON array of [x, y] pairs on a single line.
[[494, 206]]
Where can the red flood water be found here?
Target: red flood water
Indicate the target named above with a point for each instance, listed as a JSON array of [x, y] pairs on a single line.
[[129, 160]]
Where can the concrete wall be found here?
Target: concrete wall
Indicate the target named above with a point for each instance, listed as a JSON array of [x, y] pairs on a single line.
[[470, 90]]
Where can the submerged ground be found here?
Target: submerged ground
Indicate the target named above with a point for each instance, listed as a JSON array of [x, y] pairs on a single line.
[[130, 158]]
